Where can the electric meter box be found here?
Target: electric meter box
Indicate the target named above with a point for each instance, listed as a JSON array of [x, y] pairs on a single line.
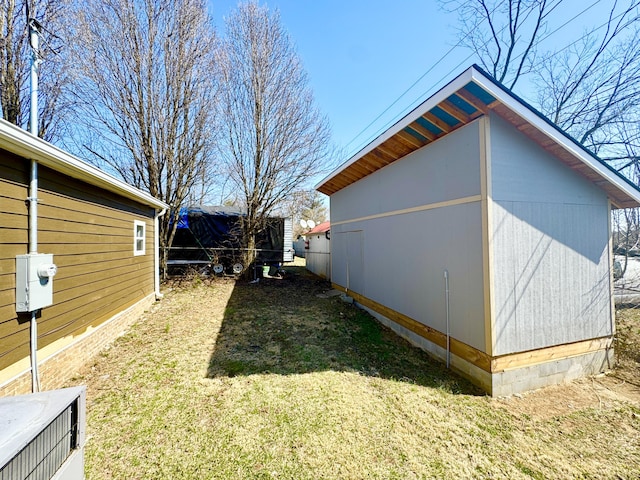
[[34, 281]]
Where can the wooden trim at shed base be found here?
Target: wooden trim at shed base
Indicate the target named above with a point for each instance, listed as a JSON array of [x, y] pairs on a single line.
[[553, 372], [59, 361], [506, 374], [458, 348]]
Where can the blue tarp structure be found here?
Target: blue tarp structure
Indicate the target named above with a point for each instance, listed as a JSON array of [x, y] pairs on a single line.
[[213, 233]]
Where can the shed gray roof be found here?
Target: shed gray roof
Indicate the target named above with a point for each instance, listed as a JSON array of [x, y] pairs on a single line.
[[24, 144], [470, 95]]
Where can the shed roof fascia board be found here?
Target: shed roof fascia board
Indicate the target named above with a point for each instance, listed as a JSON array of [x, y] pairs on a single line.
[[405, 121], [22, 143], [518, 106], [540, 122]]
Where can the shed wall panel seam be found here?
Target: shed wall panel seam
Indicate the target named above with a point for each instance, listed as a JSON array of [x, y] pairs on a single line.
[[421, 208]]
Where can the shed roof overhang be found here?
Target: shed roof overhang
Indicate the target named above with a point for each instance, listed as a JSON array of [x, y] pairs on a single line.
[[24, 144], [469, 96]]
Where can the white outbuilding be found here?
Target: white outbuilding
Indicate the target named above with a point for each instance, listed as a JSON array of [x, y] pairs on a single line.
[[318, 250], [480, 231]]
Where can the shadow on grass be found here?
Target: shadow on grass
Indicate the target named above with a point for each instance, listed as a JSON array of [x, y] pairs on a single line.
[[281, 326]]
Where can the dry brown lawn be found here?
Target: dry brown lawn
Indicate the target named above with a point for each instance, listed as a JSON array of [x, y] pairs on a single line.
[[231, 380]]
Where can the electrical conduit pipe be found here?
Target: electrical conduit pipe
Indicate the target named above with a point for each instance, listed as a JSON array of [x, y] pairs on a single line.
[[33, 192]]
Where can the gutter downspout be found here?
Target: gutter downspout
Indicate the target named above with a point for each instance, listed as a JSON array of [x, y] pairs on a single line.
[[33, 192], [156, 254]]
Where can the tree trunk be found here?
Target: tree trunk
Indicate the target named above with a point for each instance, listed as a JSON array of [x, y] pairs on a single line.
[[249, 256]]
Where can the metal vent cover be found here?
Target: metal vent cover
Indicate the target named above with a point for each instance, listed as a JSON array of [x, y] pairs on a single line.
[[40, 433]]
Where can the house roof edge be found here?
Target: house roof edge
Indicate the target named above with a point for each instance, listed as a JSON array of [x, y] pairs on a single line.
[[20, 142]]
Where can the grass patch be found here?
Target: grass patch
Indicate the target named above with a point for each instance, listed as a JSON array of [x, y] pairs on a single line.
[[268, 381], [627, 345]]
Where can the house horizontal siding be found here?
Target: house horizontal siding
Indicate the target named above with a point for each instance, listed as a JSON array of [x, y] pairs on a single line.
[[90, 232], [395, 232], [14, 221], [551, 252]]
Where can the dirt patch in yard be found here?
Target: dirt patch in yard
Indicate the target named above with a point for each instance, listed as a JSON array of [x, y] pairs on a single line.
[[598, 392], [621, 384]]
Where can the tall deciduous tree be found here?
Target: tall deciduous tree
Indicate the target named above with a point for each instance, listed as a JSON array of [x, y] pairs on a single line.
[[590, 88], [15, 55], [146, 91], [274, 138]]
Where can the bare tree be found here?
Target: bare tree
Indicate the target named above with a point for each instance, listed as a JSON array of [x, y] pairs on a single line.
[[626, 222], [304, 205], [502, 33], [275, 138], [14, 57], [146, 91], [626, 236], [593, 87], [590, 88], [15, 64]]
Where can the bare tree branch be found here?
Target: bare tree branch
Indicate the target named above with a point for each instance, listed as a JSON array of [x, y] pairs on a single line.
[[504, 34], [594, 85], [589, 88], [275, 138], [15, 65], [147, 94]]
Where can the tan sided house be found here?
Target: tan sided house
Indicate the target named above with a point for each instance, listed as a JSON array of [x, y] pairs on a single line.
[[100, 271], [480, 231]]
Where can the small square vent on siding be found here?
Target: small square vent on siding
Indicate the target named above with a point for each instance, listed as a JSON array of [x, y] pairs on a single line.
[[42, 435]]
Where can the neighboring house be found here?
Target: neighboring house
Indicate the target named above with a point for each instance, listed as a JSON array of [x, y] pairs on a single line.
[[103, 235], [318, 250], [480, 231]]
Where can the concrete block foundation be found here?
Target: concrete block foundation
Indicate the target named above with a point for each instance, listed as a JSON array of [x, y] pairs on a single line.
[[511, 381]]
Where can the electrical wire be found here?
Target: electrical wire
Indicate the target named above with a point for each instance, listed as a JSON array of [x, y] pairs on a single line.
[[457, 66], [404, 93], [413, 84]]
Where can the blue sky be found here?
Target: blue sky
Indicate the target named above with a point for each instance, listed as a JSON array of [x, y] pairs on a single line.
[[362, 55]]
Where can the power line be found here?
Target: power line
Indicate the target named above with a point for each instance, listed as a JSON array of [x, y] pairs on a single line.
[[403, 93], [455, 68], [412, 85]]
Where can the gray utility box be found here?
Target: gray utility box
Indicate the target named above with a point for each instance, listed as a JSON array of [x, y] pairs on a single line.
[[34, 281]]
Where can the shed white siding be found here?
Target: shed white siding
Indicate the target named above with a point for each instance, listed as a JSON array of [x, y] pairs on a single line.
[[475, 182], [551, 256], [396, 231], [319, 255], [288, 240]]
